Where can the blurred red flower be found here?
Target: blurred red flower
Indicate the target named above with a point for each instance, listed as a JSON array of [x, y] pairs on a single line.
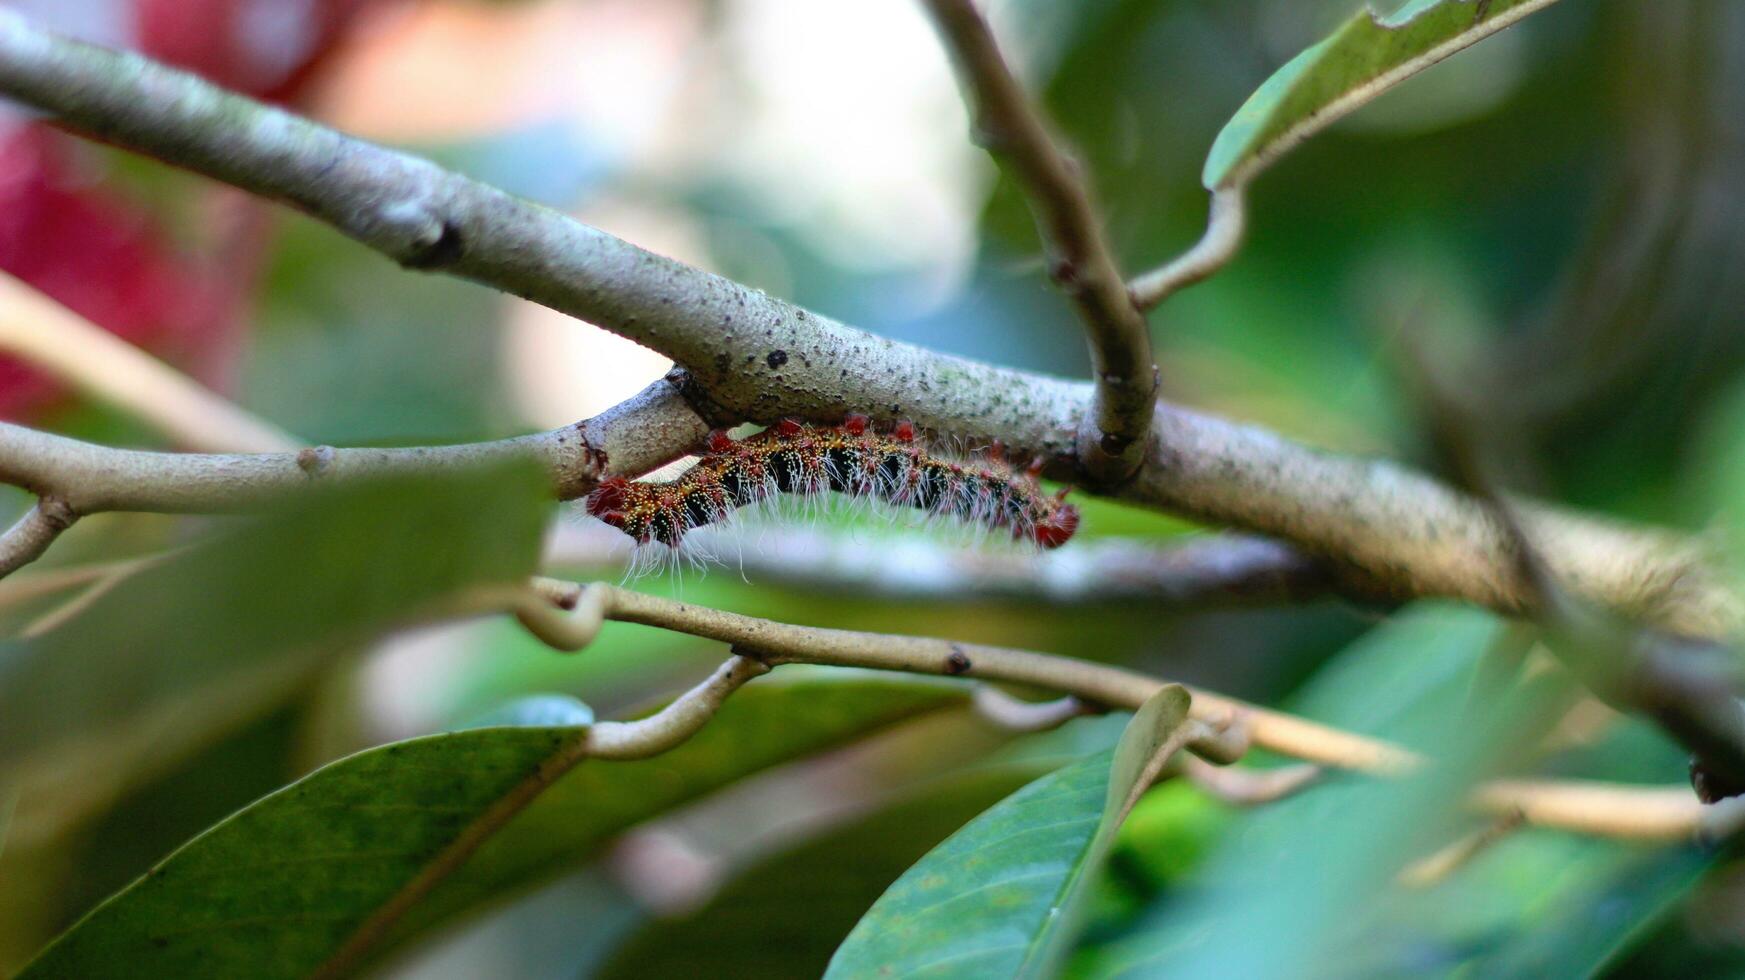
[[70, 233]]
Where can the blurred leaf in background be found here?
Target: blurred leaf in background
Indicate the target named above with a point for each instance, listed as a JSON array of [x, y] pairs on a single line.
[[209, 639], [1566, 191]]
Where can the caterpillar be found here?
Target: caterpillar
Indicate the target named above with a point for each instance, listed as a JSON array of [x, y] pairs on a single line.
[[853, 459]]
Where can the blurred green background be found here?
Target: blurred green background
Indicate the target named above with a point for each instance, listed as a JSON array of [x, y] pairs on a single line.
[[1558, 207]]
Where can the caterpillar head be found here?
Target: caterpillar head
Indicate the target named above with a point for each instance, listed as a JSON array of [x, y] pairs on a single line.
[[1057, 529], [608, 498]]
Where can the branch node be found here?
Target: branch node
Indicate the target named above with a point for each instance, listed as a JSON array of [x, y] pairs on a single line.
[[539, 610], [713, 413], [1224, 741], [25, 541], [314, 460], [752, 653], [444, 249]]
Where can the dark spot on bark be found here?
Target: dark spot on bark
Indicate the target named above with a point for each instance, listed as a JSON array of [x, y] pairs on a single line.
[[777, 358], [1712, 786], [315, 459], [958, 662], [445, 251]]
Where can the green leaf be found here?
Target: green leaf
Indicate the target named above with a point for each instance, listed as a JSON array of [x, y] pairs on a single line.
[[1002, 896], [278, 888], [785, 916], [203, 641], [1542, 903], [1309, 885], [1368, 55]]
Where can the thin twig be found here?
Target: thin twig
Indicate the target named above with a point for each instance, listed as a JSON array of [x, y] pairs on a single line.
[[1017, 715], [778, 643], [646, 431], [1667, 813], [1246, 785], [25, 541], [1112, 439], [1408, 535], [1611, 810], [1225, 226], [667, 728], [1435, 868], [117, 573], [35, 584]]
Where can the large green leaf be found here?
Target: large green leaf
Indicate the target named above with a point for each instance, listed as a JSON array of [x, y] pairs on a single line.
[[207, 639], [1002, 896], [1366, 56], [278, 888], [1308, 886]]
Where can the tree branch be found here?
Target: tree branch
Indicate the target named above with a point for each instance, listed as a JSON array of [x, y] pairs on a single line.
[[778, 643], [1248, 786], [1111, 440], [1401, 532], [1018, 715], [1605, 809], [1225, 226], [25, 541], [673, 724], [651, 428], [74, 478], [1665, 814], [1434, 868]]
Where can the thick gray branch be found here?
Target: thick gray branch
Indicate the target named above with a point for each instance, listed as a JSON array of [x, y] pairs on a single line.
[[755, 357]]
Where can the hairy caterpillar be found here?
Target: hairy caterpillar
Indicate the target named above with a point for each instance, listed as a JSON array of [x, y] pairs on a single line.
[[852, 458]]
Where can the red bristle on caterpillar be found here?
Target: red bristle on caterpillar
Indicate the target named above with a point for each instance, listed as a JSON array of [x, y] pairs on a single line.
[[608, 496], [851, 458]]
